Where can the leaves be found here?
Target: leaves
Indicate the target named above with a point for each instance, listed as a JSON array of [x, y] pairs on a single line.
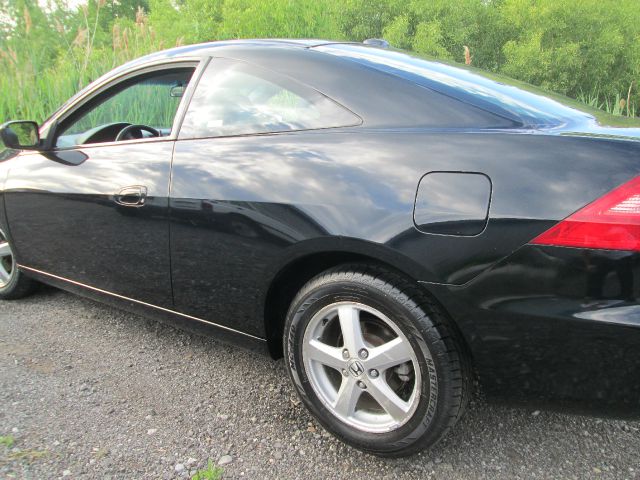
[[48, 53]]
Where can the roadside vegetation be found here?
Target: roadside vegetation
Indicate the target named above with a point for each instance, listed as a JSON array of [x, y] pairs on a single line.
[[210, 473], [7, 440], [588, 50], [9, 453]]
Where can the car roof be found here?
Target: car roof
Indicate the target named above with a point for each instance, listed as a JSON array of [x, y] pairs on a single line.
[[213, 48], [500, 95]]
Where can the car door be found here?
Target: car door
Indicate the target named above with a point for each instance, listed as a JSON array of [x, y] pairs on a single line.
[[239, 146], [93, 210]]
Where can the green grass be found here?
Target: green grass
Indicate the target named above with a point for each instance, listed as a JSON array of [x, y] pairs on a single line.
[[210, 473], [7, 441], [16, 455], [48, 55], [617, 105]]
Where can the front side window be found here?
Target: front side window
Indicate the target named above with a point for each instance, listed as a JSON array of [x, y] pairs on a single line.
[[235, 98], [149, 102]]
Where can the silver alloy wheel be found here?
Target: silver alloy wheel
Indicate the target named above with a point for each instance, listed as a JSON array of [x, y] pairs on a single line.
[[7, 262], [362, 367]]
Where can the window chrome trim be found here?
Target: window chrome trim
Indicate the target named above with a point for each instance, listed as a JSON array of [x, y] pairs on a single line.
[[188, 96], [122, 297]]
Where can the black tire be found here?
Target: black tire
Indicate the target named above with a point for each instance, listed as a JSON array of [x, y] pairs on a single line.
[[18, 285], [444, 365]]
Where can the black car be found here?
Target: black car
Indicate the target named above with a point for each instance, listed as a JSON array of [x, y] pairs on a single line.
[[394, 227]]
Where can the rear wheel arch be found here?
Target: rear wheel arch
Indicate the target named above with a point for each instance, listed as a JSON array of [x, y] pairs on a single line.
[[291, 277]]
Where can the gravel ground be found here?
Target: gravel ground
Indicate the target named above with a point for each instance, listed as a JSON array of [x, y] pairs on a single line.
[[88, 391]]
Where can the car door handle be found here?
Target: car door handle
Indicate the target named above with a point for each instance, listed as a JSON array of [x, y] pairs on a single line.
[[133, 196]]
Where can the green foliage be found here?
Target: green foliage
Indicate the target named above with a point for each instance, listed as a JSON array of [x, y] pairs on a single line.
[[362, 19], [209, 473], [48, 53], [186, 21], [571, 47], [45, 63], [616, 106], [428, 39], [279, 19], [7, 441]]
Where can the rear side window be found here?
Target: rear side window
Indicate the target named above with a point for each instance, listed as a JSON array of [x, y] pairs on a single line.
[[235, 98]]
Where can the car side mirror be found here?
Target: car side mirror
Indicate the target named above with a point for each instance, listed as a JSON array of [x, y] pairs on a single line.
[[20, 135], [177, 91]]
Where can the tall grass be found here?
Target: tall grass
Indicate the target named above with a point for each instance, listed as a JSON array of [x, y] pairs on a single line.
[[588, 50], [617, 105], [32, 88]]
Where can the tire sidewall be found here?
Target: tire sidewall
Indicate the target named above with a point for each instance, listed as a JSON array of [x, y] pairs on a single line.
[[424, 425]]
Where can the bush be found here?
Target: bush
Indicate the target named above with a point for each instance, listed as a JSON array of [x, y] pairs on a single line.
[[572, 47], [587, 49]]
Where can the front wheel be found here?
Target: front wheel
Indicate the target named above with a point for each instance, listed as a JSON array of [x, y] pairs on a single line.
[[13, 283], [373, 360]]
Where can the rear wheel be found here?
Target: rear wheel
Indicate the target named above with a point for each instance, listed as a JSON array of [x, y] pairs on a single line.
[[373, 360], [13, 283]]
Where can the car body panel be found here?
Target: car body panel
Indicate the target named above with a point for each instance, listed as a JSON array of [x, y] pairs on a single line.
[[350, 186], [165, 315], [65, 221], [555, 326]]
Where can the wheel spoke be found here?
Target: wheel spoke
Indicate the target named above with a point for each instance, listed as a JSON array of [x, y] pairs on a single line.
[[348, 396], [4, 275], [325, 354], [350, 325], [387, 398], [389, 354], [5, 250], [351, 349]]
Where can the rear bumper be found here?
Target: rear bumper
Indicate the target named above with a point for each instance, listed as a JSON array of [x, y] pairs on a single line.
[[556, 326]]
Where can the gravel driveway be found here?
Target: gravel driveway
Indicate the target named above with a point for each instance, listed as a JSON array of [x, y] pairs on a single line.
[[88, 391]]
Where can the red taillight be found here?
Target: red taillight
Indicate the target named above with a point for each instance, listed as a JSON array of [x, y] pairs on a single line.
[[612, 222]]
